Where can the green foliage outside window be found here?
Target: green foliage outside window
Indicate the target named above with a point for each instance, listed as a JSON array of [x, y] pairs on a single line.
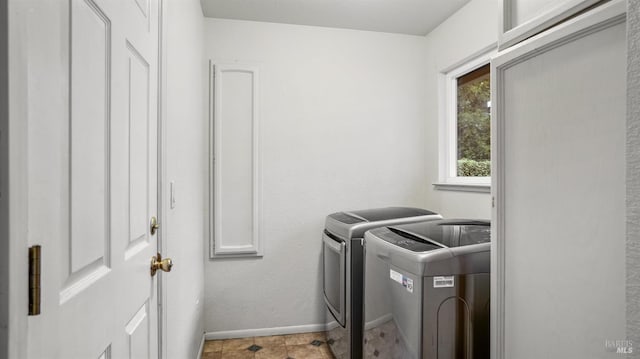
[[474, 128], [471, 168]]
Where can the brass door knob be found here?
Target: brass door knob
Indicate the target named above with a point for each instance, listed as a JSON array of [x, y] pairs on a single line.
[[157, 262]]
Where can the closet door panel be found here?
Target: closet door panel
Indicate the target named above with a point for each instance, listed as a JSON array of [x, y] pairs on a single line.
[[559, 187]]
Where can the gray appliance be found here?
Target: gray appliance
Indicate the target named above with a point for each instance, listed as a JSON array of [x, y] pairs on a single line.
[[342, 273], [427, 290]]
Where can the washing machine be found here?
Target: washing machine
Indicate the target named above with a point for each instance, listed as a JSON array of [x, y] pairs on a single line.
[[427, 290], [342, 271]]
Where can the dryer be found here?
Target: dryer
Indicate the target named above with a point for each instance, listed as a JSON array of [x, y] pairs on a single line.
[[343, 283]]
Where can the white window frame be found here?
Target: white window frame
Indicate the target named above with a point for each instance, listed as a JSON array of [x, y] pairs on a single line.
[[448, 116]]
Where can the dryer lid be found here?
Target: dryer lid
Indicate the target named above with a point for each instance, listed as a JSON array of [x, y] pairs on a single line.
[[353, 224], [383, 214]]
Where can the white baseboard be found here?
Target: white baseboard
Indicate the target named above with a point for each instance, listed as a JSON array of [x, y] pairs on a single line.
[[246, 333], [378, 321], [201, 347]]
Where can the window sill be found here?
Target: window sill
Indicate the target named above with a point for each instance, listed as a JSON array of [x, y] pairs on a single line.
[[463, 187]]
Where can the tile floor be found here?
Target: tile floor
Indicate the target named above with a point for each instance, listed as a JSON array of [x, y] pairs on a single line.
[[294, 346]]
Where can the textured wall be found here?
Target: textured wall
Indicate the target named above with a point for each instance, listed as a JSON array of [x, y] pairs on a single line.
[[14, 237], [633, 177], [4, 176], [342, 122], [186, 141], [448, 44]]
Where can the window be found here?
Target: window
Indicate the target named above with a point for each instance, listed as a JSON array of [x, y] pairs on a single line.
[[465, 135], [473, 124]]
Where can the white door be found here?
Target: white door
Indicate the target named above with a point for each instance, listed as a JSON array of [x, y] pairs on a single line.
[[92, 182], [559, 180]]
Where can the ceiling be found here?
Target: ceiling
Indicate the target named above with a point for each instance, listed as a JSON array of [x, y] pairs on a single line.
[[413, 17]]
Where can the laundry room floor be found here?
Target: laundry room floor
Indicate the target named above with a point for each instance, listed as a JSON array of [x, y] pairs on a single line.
[[293, 346]]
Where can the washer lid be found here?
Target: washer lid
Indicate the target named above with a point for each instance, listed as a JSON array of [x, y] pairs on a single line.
[[431, 235]]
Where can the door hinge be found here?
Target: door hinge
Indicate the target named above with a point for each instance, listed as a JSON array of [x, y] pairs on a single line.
[[34, 280]]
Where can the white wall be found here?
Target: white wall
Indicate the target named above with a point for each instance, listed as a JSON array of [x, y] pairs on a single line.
[[342, 115], [468, 31], [633, 174], [4, 180], [13, 204], [185, 161]]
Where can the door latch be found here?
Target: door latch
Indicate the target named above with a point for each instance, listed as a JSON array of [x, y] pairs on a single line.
[[154, 225]]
